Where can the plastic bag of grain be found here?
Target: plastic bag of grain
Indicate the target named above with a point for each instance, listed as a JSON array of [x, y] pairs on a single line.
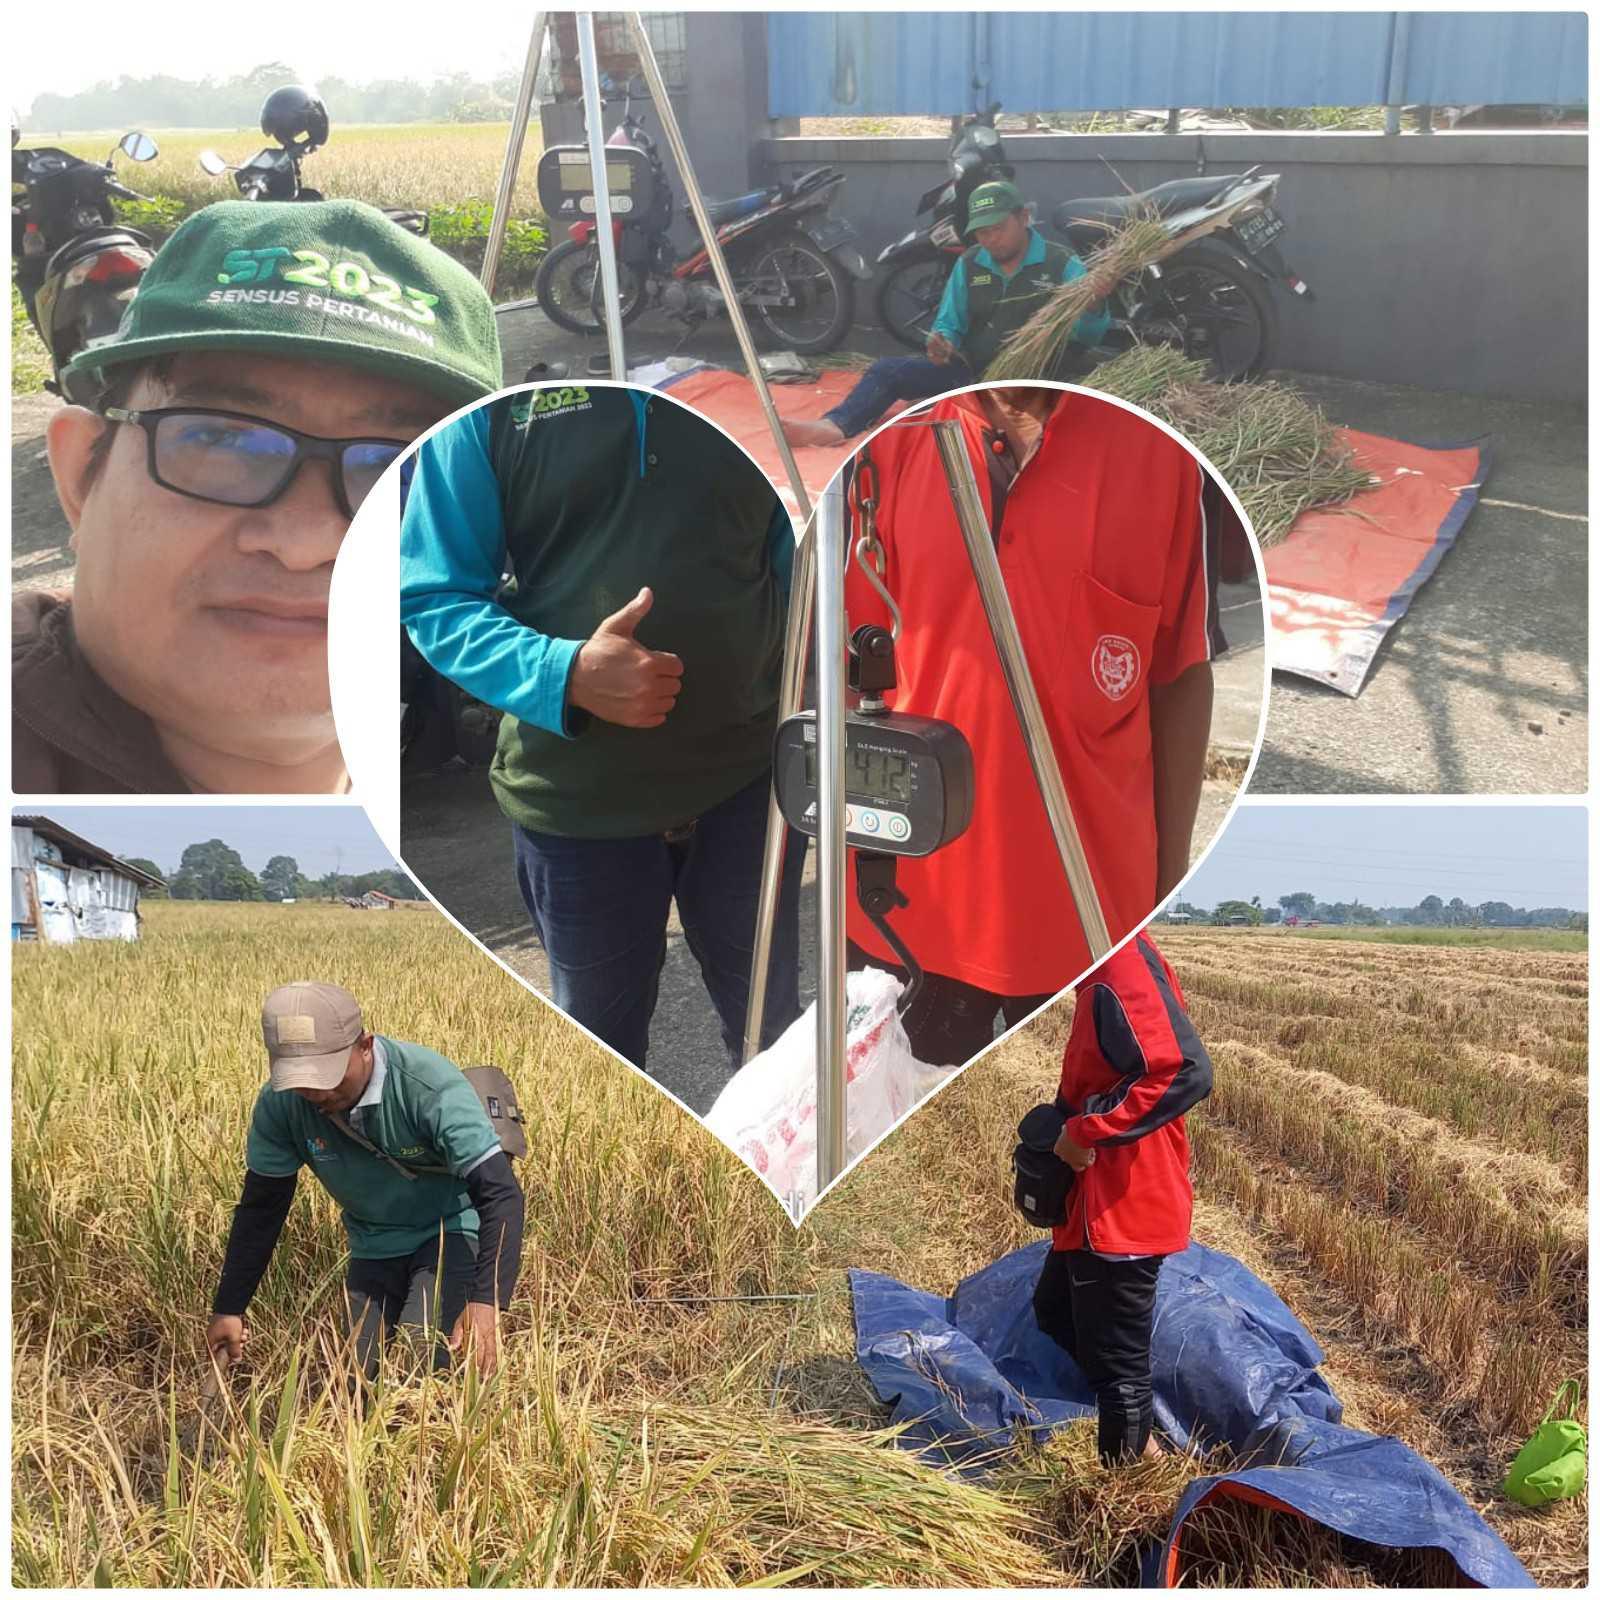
[[768, 1111]]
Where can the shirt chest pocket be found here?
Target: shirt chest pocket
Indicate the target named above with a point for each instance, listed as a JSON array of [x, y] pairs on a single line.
[[1106, 663]]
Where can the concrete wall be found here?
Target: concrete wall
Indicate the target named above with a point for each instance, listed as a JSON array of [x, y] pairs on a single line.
[[1449, 261]]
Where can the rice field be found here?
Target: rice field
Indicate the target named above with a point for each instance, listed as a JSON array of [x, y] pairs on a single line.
[[654, 1421], [413, 164]]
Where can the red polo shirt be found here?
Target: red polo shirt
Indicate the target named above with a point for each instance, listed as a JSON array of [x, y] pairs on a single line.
[[1101, 543]]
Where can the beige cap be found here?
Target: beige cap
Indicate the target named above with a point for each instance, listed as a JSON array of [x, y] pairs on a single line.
[[308, 1029]]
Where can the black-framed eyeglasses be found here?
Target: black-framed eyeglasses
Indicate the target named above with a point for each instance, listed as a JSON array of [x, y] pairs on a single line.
[[233, 459]]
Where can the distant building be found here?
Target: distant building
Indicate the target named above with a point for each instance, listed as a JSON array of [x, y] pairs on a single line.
[[377, 900], [63, 888], [1180, 916]]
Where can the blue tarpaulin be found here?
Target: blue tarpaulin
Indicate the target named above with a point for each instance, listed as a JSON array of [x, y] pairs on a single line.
[[1231, 1365]]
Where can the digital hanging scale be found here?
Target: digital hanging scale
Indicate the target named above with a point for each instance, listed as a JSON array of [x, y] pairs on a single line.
[[908, 780]]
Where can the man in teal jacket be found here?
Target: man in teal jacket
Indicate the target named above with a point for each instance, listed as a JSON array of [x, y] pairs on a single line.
[[611, 572], [1006, 275]]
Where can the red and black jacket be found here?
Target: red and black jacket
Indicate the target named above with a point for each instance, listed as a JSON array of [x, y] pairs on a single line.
[[1133, 1066]]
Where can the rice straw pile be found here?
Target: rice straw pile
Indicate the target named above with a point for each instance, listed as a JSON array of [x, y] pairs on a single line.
[[1275, 449]]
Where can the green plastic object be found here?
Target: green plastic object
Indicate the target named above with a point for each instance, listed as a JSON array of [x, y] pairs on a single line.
[[1553, 1464]]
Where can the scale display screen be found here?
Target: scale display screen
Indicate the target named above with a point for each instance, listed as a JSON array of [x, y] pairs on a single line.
[[576, 178], [908, 780], [871, 774]]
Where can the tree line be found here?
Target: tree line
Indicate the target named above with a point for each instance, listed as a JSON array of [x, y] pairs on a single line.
[[215, 871], [1432, 911], [163, 101]]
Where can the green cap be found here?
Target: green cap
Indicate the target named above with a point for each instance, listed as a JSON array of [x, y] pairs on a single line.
[[320, 280], [991, 203]]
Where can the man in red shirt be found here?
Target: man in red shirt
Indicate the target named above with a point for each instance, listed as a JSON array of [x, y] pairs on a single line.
[[1096, 514], [1133, 1066]]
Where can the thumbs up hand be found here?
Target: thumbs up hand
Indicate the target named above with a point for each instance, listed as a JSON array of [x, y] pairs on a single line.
[[616, 679]]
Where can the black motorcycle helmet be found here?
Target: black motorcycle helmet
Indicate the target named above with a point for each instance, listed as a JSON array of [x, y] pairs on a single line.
[[296, 117]]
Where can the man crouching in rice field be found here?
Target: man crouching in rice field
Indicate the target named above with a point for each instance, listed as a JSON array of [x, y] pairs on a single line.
[[1133, 1066], [395, 1133]]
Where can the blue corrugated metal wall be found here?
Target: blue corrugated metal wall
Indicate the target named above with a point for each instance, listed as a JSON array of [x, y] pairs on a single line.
[[920, 63]]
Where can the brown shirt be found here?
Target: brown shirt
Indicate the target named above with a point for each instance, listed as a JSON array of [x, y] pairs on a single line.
[[70, 733]]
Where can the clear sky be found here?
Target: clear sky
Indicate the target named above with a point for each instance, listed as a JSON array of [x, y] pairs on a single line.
[[52, 52], [1395, 855], [320, 838]]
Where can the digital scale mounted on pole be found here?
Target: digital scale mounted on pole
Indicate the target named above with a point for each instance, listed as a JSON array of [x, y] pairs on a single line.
[[908, 780]]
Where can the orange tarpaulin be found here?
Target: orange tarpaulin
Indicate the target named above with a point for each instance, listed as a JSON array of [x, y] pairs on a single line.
[[1345, 575], [1336, 584]]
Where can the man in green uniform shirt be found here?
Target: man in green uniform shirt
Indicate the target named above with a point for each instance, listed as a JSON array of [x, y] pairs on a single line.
[[635, 651], [416, 1237]]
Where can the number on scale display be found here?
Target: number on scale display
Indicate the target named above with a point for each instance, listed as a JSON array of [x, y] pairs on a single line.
[[872, 774]]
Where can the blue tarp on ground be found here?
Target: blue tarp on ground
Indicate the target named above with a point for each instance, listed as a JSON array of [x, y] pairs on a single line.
[[1231, 1364]]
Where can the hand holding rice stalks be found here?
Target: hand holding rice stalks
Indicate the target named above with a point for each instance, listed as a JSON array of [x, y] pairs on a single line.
[[1033, 350]]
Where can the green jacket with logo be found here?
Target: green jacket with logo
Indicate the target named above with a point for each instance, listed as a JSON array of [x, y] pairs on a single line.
[[428, 1115], [982, 307], [583, 495]]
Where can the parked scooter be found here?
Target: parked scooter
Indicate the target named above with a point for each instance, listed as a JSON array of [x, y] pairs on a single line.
[[793, 265], [1212, 299], [76, 267], [297, 119]]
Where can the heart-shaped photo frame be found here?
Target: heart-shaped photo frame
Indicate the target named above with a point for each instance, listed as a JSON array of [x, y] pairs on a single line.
[[1018, 591]]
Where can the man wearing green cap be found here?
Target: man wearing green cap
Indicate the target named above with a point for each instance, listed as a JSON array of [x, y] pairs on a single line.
[[395, 1133], [191, 653], [1006, 274]]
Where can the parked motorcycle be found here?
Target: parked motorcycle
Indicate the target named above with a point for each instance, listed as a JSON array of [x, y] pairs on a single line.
[[914, 269], [76, 267], [793, 265], [1212, 299], [297, 119]]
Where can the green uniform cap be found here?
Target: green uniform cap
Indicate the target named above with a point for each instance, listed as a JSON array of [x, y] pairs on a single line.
[[324, 280], [991, 203]]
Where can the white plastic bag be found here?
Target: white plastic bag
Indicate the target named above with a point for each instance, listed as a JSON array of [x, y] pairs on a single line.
[[768, 1111]]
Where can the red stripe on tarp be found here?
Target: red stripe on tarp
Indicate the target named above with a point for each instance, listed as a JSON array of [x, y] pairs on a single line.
[[1345, 575]]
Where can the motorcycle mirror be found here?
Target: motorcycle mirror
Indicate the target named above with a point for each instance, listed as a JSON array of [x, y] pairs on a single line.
[[211, 162], [138, 147]]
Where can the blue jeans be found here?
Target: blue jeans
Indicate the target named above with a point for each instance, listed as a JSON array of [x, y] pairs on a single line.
[[895, 378], [599, 907]]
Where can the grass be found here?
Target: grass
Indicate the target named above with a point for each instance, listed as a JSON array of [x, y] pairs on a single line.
[[1450, 938], [642, 1432]]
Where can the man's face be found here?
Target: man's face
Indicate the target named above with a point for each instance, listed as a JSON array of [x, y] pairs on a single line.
[[1006, 239], [351, 1087], [212, 619]]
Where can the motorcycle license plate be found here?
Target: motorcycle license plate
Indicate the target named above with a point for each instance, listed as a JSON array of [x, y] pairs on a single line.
[[1257, 232], [831, 231]]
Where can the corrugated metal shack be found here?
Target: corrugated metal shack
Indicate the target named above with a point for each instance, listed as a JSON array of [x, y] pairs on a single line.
[[63, 888]]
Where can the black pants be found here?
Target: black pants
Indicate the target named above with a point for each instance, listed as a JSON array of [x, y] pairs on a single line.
[[949, 1022], [397, 1294], [1101, 1313]]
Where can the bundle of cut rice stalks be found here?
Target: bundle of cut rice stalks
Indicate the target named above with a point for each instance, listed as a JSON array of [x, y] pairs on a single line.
[[1033, 350], [1275, 449]]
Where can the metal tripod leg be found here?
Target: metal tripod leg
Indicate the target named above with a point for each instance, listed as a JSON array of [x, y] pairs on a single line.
[[594, 114], [801, 583], [1024, 697], [508, 170], [831, 1108]]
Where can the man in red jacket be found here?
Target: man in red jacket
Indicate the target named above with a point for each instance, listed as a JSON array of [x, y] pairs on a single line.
[[1133, 1066]]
